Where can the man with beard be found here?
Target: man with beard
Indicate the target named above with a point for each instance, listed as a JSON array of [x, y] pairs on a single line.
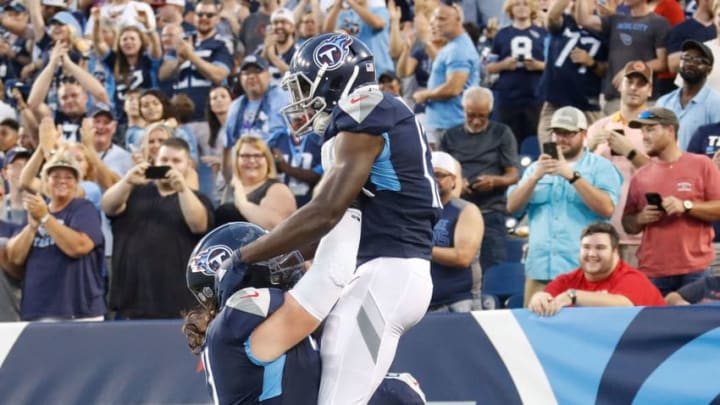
[[200, 62], [279, 47], [562, 195], [695, 103], [676, 247], [487, 152], [603, 279]]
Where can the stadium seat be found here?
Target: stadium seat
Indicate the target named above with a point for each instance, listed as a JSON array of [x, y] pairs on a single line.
[[530, 147], [503, 281], [514, 249], [490, 302], [515, 301]]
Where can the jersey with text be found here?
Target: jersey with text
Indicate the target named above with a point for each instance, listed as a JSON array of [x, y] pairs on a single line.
[[234, 376], [400, 202], [518, 88], [565, 82], [193, 83]]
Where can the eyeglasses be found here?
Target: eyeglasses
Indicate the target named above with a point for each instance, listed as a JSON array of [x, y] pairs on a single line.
[[697, 60], [251, 156], [205, 15]]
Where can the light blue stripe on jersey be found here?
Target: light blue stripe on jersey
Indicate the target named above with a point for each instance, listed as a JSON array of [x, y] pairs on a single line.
[[272, 374], [382, 174]]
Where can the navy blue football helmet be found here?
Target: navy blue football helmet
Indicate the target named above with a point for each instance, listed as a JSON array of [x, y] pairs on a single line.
[[215, 271], [326, 68]]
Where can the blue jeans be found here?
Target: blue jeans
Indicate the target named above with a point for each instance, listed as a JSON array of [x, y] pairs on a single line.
[[492, 250], [669, 284]]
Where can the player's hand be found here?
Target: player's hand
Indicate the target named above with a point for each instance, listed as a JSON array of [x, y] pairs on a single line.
[[484, 183], [673, 205], [649, 215], [177, 180], [136, 175]]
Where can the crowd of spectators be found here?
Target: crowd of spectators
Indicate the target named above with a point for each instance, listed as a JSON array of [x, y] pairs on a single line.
[[129, 128]]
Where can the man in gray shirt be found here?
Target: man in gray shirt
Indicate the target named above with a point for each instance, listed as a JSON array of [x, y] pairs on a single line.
[[487, 151], [639, 35]]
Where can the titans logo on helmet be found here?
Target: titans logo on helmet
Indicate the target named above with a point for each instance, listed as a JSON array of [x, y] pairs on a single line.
[[332, 51], [209, 260]]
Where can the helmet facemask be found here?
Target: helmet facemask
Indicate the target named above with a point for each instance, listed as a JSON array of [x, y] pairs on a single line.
[[303, 109], [284, 270]]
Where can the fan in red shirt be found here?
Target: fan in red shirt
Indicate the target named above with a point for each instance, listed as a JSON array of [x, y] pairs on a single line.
[[603, 280]]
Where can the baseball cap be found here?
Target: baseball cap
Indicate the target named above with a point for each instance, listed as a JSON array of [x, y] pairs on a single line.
[[66, 18], [704, 50], [101, 108], [655, 115], [62, 162], [55, 3], [16, 5], [442, 160], [569, 118], [282, 14], [639, 67], [16, 152], [255, 61], [388, 75]]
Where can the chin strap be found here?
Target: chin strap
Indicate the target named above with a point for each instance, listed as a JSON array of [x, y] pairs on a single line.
[[320, 122]]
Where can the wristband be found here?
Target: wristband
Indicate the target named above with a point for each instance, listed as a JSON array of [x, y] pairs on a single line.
[[631, 155], [44, 219]]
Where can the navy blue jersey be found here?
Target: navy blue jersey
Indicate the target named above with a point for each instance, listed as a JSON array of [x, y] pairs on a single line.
[[70, 127], [142, 76], [706, 141], [234, 376], [192, 83], [450, 284], [303, 153], [688, 29], [518, 88], [565, 82], [401, 203]]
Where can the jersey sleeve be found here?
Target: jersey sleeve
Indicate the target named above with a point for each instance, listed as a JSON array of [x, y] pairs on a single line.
[[363, 111], [221, 57]]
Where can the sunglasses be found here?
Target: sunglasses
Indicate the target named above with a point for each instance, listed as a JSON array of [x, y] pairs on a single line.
[[205, 15], [648, 115]]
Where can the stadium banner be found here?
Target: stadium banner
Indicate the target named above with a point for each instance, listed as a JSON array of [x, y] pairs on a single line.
[[581, 356]]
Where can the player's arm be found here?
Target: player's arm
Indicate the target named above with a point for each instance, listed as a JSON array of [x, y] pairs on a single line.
[[467, 235], [355, 155]]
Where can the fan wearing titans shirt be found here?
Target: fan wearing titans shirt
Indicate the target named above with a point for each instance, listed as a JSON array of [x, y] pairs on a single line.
[[72, 93], [376, 155], [519, 49], [134, 60], [576, 63], [201, 62]]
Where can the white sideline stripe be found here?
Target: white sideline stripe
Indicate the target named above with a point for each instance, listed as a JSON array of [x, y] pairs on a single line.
[[9, 333], [514, 348]]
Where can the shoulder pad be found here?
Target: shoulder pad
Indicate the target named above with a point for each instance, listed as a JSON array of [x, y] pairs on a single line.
[[360, 103], [251, 300]]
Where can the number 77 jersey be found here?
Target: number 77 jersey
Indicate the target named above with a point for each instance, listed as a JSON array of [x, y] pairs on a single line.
[[564, 81]]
